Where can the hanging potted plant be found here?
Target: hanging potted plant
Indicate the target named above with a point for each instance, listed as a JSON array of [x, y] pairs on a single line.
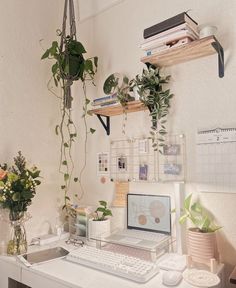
[[201, 239], [152, 94], [69, 66]]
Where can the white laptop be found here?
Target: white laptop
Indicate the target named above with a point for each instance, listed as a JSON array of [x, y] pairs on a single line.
[[148, 221]]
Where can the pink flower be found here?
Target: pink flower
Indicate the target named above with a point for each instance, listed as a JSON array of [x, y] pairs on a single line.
[[3, 174]]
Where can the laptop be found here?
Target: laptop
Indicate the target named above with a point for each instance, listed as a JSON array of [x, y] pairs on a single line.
[[148, 221]]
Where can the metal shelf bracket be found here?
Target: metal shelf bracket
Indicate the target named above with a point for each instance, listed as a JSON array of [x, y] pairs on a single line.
[[220, 51], [106, 125]]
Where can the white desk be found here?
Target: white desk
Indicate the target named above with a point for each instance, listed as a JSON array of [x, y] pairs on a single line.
[[62, 274]]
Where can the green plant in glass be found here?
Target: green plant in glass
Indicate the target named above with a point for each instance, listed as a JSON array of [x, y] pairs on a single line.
[[153, 95], [102, 212], [198, 216]]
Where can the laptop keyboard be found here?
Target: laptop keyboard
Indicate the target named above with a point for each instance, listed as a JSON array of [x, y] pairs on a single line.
[[144, 235], [121, 265]]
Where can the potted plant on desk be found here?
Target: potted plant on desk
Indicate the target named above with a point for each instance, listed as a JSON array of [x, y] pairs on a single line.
[[100, 224], [201, 239]]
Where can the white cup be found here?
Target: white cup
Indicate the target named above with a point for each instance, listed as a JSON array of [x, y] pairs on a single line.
[[207, 30]]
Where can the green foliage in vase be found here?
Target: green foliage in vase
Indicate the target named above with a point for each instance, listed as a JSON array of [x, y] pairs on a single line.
[[198, 216], [102, 211], [18, 185], [152, 94]]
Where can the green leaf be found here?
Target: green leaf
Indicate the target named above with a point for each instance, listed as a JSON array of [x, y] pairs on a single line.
[[196, 207], [64, 162], [183, 219], [87, 101], [101, 209], [66, 176], [95, 59], [67, 198], [76, 179], [16, 196], [63, 187], [92, 130], [187, 202], [57, 129], [103, 203], [66, 145], [46, 54]]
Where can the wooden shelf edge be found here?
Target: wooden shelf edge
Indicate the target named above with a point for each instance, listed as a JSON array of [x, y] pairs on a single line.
[[195, 49], [133, 106]]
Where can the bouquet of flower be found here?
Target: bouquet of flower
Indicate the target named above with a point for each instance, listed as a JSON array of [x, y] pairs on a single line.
[[17, 186]]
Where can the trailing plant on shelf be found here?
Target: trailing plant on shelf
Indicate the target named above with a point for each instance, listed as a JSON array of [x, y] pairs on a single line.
[[69, 66], [198, 216], [119, 85], [152, 94]]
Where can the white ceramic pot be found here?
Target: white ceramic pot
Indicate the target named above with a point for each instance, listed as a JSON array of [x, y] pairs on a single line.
[[202, 246], [99, 229]]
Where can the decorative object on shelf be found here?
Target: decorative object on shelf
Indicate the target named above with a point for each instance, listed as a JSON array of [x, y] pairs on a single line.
[[200, 278], [100, 225], [70, 66], [202, 246], [207, 30], [152, 95], [120, 85], [17, 189]]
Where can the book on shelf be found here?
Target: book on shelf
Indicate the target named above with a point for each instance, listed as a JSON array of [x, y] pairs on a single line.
[[105, 98], [184, 26], [103, 105], [174, 44], [168, 24], [169, 38]]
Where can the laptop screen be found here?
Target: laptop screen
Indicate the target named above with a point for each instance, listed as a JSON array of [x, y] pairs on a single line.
[[149, 213]]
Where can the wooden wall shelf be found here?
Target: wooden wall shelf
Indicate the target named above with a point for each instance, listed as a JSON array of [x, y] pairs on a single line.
[[106, 112], [196, 49]]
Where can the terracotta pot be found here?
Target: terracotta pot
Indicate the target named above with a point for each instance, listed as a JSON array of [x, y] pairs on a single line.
[[202, 246]]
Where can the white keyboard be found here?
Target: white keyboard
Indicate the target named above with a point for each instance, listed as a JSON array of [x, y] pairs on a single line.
[[121, 265], [151, 236]]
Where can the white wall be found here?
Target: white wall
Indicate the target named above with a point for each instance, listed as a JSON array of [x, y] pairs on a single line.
[[28, 111], [202, 100]]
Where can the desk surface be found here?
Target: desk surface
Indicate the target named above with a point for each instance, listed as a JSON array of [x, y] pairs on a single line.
[[78, 276]]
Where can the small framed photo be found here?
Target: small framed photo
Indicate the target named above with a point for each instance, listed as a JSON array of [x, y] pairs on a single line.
[[171, 149], [143, 172], [122, 163], [103, 163], [172, 169]]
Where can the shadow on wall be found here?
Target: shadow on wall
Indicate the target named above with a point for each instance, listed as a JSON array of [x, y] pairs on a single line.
[[229, 256]]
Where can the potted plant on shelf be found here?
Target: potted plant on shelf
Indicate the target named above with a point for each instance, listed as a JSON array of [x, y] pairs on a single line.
[[201, 239], [100, 225], [119, 84], [69, 66], [149, 86], [17, 189]]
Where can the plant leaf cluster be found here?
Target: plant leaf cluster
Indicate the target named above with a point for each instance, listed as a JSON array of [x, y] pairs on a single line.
[[152, 94], [18, 185], [198, 216], [102, 211]]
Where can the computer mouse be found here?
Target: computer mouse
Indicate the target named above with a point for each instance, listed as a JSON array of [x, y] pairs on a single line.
[[171, 278]]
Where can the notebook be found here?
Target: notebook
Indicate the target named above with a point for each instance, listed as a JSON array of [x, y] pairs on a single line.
[[148, 221]]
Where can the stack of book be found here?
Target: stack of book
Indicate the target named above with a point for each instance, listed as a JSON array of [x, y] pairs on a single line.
[[173, 32], [109, 100]]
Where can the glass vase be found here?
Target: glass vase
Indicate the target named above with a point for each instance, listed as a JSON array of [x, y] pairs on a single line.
[[18, 242]]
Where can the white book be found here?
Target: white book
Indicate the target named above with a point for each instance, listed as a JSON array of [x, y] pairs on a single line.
[[165, 40]]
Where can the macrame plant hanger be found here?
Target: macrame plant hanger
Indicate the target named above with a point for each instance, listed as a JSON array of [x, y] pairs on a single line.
[[68, 79]]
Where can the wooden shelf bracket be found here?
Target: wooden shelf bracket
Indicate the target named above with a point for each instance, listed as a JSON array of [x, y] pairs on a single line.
[[220, 51], [106, 125]]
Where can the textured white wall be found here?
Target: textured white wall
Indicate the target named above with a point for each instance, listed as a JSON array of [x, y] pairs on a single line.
[[202, 100], [28, 111]]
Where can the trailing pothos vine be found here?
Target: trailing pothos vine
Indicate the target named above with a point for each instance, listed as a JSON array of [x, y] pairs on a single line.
[[69, 66]]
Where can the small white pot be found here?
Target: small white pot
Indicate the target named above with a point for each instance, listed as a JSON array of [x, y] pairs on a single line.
[[99, 229]]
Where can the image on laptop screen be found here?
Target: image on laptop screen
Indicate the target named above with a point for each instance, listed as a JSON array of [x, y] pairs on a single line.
[[149, 213]]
